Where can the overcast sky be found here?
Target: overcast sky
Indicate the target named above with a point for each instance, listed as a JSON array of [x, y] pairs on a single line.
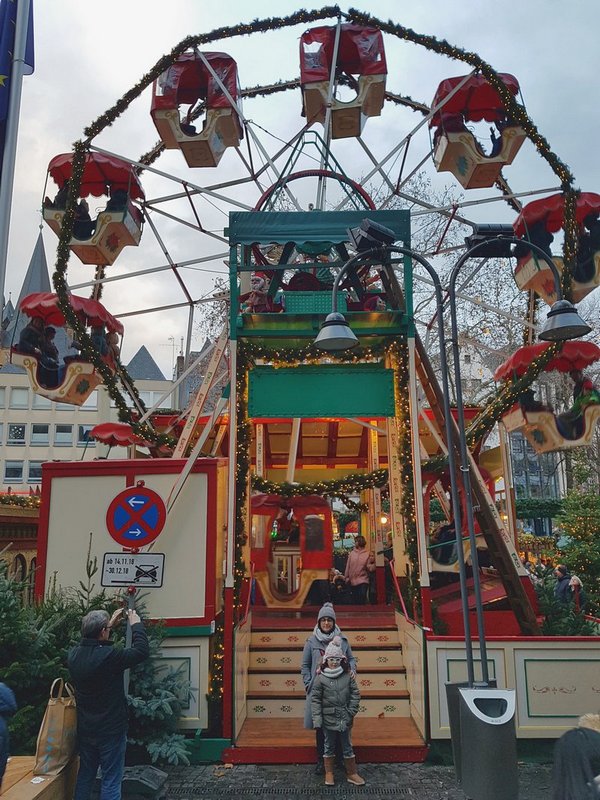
[[88, 54]]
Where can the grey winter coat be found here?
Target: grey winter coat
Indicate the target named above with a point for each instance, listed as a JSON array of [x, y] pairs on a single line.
[[312, 656], [334, 701]]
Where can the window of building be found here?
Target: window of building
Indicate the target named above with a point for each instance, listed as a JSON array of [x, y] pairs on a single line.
[[1, 433], [34, 474], [19, 397], [83, 437], [16, 433], [40, 434], [13, 472], [64, 407], [41, 402], [91, 404], [63, 435], [2, 396]]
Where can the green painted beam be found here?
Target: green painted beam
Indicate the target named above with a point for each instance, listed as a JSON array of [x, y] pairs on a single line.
[[330, 390]]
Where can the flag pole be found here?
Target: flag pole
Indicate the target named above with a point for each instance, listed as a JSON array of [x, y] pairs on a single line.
[[10, 143]]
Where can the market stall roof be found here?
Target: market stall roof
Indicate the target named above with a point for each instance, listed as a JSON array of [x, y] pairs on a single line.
[[476, 100], [45, 305], [550, 210], [576, 354], [100, 172]]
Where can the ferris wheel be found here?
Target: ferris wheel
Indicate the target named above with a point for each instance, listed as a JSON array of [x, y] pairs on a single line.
[[344, 136]]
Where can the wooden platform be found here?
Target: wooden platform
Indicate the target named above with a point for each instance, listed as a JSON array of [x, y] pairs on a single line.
[[286, 741]]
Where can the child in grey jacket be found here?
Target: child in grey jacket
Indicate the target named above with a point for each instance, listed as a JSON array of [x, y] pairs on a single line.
[[334, 703]]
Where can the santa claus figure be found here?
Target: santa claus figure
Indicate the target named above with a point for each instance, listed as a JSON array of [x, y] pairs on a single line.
[[257, 300]]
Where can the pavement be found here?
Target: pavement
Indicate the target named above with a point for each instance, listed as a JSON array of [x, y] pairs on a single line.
[[420, 781]]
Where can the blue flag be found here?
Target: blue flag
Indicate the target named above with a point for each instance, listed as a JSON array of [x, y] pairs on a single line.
[[8, 19]]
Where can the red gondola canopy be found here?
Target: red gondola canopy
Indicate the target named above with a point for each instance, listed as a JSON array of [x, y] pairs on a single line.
[[550, 210], [116, 434], [475, 100], [360, 52], [92, 313], [100, 173], [190, 80], [574, 355]]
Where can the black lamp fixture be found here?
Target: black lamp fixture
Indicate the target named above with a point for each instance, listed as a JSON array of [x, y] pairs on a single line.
[[562, 323], [335, 334], [369, 235]]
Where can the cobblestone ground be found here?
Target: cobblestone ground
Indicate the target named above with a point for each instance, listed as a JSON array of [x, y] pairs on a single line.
[[291, 782]]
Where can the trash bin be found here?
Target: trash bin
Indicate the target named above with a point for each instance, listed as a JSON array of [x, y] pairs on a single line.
[[488, 743], [453, 702]]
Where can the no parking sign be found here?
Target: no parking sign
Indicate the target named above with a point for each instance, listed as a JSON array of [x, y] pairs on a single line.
[[136, 517]]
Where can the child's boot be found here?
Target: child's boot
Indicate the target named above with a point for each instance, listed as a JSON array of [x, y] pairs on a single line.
[[353, 776], [329, 761]]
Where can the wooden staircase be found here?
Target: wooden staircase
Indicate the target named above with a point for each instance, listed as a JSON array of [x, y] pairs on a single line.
[[273, 731]]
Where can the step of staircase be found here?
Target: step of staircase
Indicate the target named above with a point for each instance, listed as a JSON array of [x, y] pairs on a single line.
[[357, 638], [263, 705], [289, 659], [287, 682]]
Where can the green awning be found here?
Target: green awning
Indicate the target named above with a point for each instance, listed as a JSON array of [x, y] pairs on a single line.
[[306, 227]]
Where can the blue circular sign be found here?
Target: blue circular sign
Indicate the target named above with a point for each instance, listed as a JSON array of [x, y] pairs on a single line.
[[136, 517]]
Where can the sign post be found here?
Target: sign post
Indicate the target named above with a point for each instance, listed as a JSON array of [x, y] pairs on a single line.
[[134, 519]]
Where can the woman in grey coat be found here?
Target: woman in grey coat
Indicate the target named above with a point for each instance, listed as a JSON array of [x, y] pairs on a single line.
[[312, 656]]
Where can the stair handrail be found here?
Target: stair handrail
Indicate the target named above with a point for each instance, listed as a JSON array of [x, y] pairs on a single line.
[[247, 604], [408, 618]]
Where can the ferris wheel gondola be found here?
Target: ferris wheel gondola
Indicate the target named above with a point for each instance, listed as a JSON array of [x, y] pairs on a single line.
[[358, 51], [73, 380], [542, 427], [212, 80], [117, 225], [537, 223], [472, 99]]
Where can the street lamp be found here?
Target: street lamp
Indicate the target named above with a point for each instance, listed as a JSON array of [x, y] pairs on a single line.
[[495, 773], [563, 322], [345, 339]]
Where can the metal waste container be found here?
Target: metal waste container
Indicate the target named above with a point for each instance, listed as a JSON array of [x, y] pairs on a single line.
[[453, 701], [488, 743]]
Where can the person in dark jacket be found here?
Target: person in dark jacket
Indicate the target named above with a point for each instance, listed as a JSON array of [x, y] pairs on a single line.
[[334, 703], [97, 669], [8, 706], [312, 655], [562, 589]]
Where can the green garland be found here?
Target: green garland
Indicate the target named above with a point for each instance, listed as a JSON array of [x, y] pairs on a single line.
[[29, 501], [340, 487]]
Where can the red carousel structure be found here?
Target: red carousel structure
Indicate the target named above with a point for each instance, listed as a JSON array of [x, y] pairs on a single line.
[[471, 98], [118, 224], [292, 546], [208, 79]]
